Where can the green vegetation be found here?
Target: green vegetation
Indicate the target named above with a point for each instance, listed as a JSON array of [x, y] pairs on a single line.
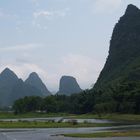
[[86, 102], [131, 118], [75, 104], [115, 117], [106, 134], [35, 124], [7, 115]]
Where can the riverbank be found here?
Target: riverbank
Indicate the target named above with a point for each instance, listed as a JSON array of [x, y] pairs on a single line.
[[34, 124], [106, 134], [11, 115], [49, 120], [114, 117]]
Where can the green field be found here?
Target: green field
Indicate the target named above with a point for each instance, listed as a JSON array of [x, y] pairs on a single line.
[[106, 134]]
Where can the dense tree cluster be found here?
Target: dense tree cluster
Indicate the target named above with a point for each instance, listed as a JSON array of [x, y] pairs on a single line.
[[121, 99], [76, 103]]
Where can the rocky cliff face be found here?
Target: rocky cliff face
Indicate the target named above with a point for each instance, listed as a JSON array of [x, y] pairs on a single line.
[[35, 81], [123, 62], [68, 85]]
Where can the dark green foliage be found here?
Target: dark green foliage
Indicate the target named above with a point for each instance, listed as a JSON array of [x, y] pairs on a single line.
[[76, 103], [27, 104]]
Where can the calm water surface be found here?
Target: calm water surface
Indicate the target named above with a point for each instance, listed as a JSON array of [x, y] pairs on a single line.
[[54, 133]]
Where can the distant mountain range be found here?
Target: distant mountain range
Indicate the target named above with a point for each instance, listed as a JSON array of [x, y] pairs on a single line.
[[13, 88]]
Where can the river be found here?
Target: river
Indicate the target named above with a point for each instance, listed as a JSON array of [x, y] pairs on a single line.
[[55, 133]]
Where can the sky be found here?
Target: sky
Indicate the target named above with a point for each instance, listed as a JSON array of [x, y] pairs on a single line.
[[58, 37]]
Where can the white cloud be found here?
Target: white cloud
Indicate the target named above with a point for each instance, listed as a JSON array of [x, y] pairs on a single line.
[[20, 47], [101, 6], [84, 68], [35, 2], [24, 69], [43, 13], [51, 14], [41, 17], [7, 15]]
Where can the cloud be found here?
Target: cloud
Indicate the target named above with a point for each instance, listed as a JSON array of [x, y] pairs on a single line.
[[101, 6], [41, 17], [24, 69], [50, 14], [20, 47], [6, 15], [43, 14], [84, 68], [35, 2]]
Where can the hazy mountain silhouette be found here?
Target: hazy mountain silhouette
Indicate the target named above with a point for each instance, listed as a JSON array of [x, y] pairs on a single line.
[[35, 81], [68, 85], [13, 88]]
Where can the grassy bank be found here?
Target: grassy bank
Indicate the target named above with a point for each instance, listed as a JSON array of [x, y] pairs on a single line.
[[7, 115], [27, 124], [128, 118], [106, 134], [115, 117]]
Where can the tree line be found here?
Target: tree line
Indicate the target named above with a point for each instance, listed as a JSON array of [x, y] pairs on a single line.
[[116, 99], [77, 103]]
